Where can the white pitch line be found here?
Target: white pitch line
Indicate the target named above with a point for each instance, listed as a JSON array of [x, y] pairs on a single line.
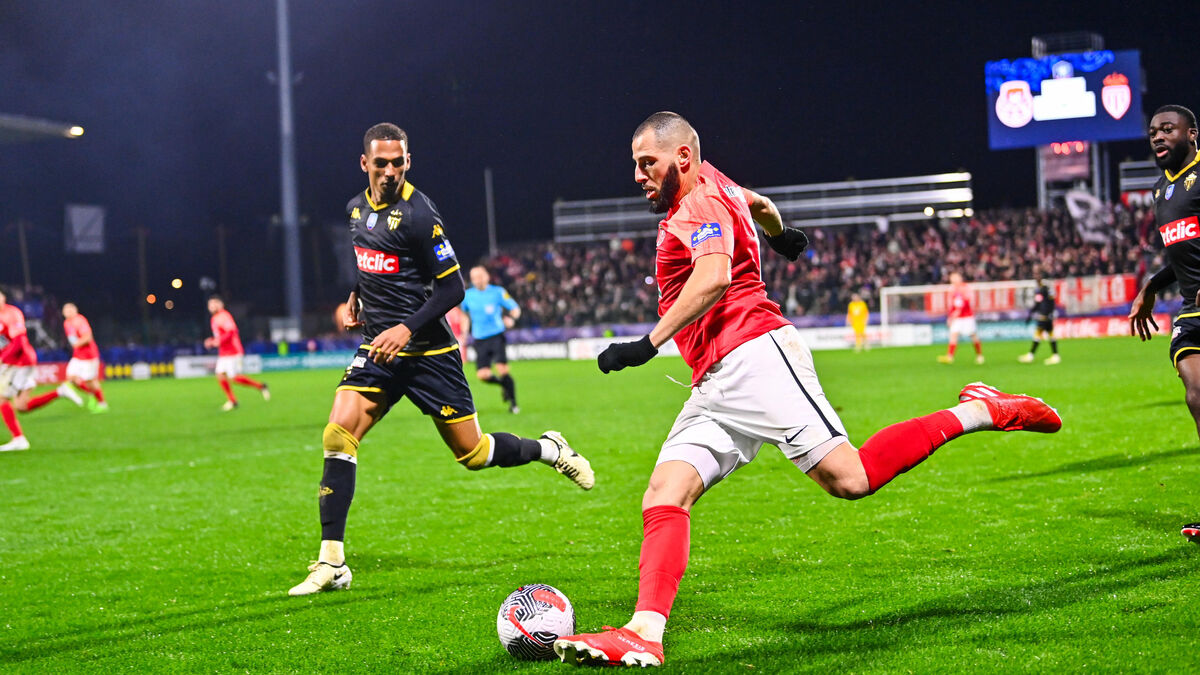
[[164, 465]]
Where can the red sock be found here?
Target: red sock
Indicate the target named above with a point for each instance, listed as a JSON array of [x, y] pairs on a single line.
[[665, 545], [98, 393], [951, 349], [84, 387], [10, 418], [898, 448], [228, 390], [247, 382], [39, 401], [978, 348]]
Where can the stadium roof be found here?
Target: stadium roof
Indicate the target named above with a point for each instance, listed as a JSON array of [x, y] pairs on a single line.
[[21, 129]]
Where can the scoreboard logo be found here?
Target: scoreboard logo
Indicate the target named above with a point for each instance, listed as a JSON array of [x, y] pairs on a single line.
[[1014, 106], [376, 262], [1180, 230], [1115, 95]]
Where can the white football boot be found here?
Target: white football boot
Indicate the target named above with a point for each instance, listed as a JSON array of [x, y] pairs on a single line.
[[570, 463], [18, 443], [323, 577]]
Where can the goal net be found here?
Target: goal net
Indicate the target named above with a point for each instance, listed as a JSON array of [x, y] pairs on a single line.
[[931, 302]]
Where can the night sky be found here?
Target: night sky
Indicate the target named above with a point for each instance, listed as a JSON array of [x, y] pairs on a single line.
[[182, 133]]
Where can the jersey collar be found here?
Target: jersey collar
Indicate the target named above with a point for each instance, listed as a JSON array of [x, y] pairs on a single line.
[[1172, 179], [405, 194]]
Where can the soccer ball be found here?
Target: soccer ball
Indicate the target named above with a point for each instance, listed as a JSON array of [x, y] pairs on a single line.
[[532, 618]]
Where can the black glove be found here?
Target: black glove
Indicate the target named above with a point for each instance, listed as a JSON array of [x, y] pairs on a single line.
[[790, 243], [625, 354]]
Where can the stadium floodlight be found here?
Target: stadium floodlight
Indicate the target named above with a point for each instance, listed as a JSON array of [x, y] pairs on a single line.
[[75, 131]]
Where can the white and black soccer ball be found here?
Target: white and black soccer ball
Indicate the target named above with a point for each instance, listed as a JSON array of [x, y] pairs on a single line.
[[532, 618]]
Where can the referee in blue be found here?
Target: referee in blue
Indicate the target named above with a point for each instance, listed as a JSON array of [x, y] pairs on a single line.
[[491, 311]]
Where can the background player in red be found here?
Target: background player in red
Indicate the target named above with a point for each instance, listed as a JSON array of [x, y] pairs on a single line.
[[228, 343], [753, 379], [961, 320], [17, 361], [83, 370]]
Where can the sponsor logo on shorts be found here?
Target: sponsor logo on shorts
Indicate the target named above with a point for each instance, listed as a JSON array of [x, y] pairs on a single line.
[[1180, 230], [358, 362], [705, 232], [1175, 332], [443, 251], [378, 262]]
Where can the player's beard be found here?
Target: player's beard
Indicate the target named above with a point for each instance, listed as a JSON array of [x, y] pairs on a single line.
[[1173, 160], [666, 192]]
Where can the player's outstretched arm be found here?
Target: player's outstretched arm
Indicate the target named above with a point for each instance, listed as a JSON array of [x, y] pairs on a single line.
[[788, 242], [711, 275]]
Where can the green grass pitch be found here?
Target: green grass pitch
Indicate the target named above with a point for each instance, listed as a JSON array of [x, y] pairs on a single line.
[[164, 535]]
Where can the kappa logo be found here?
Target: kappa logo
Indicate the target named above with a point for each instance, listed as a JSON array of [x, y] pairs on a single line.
[[1180, 230], [325, 490], [378, 262], [437, 231], [355, 214], [447, 411], [705, 232], [444, 251]]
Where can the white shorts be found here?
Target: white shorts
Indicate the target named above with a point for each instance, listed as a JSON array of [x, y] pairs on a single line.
[[765, 391], [16, 379], [85, 369], [963, 326], [229, 365]]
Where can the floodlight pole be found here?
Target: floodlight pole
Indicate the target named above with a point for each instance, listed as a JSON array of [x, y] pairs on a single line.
[[491, 210], [292, 281], [21, 225]]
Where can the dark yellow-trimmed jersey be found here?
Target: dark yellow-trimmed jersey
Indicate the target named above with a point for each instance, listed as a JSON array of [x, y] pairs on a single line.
[[400, 249], [1177, 215]]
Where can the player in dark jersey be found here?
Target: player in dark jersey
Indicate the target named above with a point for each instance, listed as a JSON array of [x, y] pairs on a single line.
[[1177, 216], [408, 278], [1042, 310]]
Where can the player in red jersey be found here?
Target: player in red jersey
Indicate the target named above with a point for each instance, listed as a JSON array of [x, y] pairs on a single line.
[[228, 343], [961, 320], [83, 370], [17, 361], [753, 380]]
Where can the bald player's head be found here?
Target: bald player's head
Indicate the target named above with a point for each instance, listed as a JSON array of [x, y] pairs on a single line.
[[666, 157], [670, 131]]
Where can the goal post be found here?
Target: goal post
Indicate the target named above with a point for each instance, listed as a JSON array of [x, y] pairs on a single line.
[[929, 303]]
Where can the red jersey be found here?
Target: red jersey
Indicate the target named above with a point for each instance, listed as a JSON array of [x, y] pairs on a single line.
[[78, 327], [225, 330], [960, 303], [714, 219], [19, 351]]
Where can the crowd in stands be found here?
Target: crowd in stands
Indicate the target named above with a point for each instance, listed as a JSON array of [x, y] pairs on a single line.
[[612, 282]]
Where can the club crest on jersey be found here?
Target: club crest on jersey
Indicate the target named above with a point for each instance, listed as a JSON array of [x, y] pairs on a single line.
[[734, 192], [443, 251], [371, 220], [1189, 181], [1170, 191], [705, 232], [394, 219]]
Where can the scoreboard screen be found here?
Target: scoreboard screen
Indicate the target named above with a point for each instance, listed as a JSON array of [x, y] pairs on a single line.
[[1091, 96]]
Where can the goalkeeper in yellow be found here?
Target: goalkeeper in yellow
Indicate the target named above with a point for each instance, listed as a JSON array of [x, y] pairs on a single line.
[[857, 315]]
